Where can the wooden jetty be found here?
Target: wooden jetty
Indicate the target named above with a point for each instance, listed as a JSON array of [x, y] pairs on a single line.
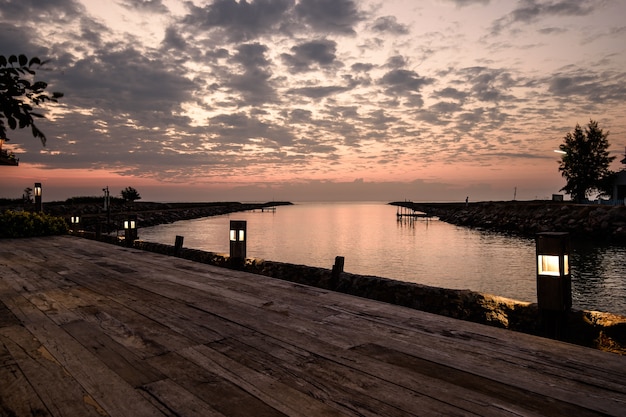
[[92, 329], [410, 213]]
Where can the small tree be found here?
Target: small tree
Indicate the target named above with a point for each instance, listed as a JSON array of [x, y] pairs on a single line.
[[19, 93], [129, 194], [585, 162], [27, 197]]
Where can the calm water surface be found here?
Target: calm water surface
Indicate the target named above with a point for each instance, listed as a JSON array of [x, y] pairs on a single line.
[[433, 253]]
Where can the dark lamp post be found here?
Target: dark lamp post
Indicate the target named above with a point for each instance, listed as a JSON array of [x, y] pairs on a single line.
[[38, 191], [238, 242], [75, 222], [130, 230], [554, 282]]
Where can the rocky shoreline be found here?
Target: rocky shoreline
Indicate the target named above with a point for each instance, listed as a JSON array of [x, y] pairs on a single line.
[[600, 223]]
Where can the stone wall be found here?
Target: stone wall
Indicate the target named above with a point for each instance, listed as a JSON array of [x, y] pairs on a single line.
[[599, 330]]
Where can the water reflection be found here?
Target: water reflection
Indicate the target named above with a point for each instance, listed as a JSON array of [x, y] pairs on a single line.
[[599, 277]]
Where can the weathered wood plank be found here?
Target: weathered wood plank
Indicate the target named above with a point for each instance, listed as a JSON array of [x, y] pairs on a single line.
[[367, 385], [17, 396], [106, 388], [178, 401], [119, 359], [195, 324], [263, 385], [224, 396], [351, 389], [61, 394]]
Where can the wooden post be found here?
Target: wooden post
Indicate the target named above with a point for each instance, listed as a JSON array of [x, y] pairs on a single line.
[[337, 270], [178, 245]]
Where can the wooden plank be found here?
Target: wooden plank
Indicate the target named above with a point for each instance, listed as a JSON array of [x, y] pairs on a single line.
[[291, 401], [119, 359], [102, 385], [498, 392], [366, 388], [17, 396], [179, 401], [62, 394], [197, 325], [224, 396]]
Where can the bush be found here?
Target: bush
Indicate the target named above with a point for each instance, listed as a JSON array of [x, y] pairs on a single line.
[[25, 224]]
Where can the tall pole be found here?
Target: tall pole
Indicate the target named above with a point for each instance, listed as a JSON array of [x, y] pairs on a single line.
[[107, 207]]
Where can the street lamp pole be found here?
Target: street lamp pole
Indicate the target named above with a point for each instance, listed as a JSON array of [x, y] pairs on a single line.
[[107, 207]]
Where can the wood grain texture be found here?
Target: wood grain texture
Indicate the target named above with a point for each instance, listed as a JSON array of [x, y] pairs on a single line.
[[88, 328]]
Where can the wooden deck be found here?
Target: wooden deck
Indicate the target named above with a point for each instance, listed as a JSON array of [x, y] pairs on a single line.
[[91, 329]]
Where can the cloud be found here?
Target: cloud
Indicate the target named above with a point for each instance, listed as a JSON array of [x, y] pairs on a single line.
[[239, 20], [316, 92], [334, 16], [154, 6], [403, 81], [311, 55], [465, 3], [125, 81], [531, 11], [593, 87], [389, 24]]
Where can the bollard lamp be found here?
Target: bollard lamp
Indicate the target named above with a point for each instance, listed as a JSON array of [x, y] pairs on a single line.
[[74, 221], [238, 241], [130, 224], [130, 229], [38, 191], [554, 285]]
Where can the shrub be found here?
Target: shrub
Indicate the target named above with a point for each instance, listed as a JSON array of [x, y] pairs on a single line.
[[25, 224]]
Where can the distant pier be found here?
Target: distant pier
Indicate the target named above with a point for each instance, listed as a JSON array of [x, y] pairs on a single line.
[[410, 213]]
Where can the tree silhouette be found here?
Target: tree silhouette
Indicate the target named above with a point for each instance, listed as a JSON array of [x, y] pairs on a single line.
[[20, 93], [585, 162], [130, 194]]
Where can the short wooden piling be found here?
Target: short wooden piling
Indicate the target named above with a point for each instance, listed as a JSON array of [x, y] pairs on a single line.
[[337, 270], [178, 245]]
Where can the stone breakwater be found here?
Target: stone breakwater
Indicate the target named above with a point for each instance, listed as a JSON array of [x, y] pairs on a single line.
[[582, 221], [598, 330]]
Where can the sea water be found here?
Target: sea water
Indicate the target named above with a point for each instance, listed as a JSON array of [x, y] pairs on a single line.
[[374, 242]]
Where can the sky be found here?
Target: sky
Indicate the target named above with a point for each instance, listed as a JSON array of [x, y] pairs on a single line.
[[314, 100]]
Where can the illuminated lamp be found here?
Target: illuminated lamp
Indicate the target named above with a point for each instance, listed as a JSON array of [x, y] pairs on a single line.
[[238, 242], [554, 284], [38, 191], [130, 229], [75, 222]]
